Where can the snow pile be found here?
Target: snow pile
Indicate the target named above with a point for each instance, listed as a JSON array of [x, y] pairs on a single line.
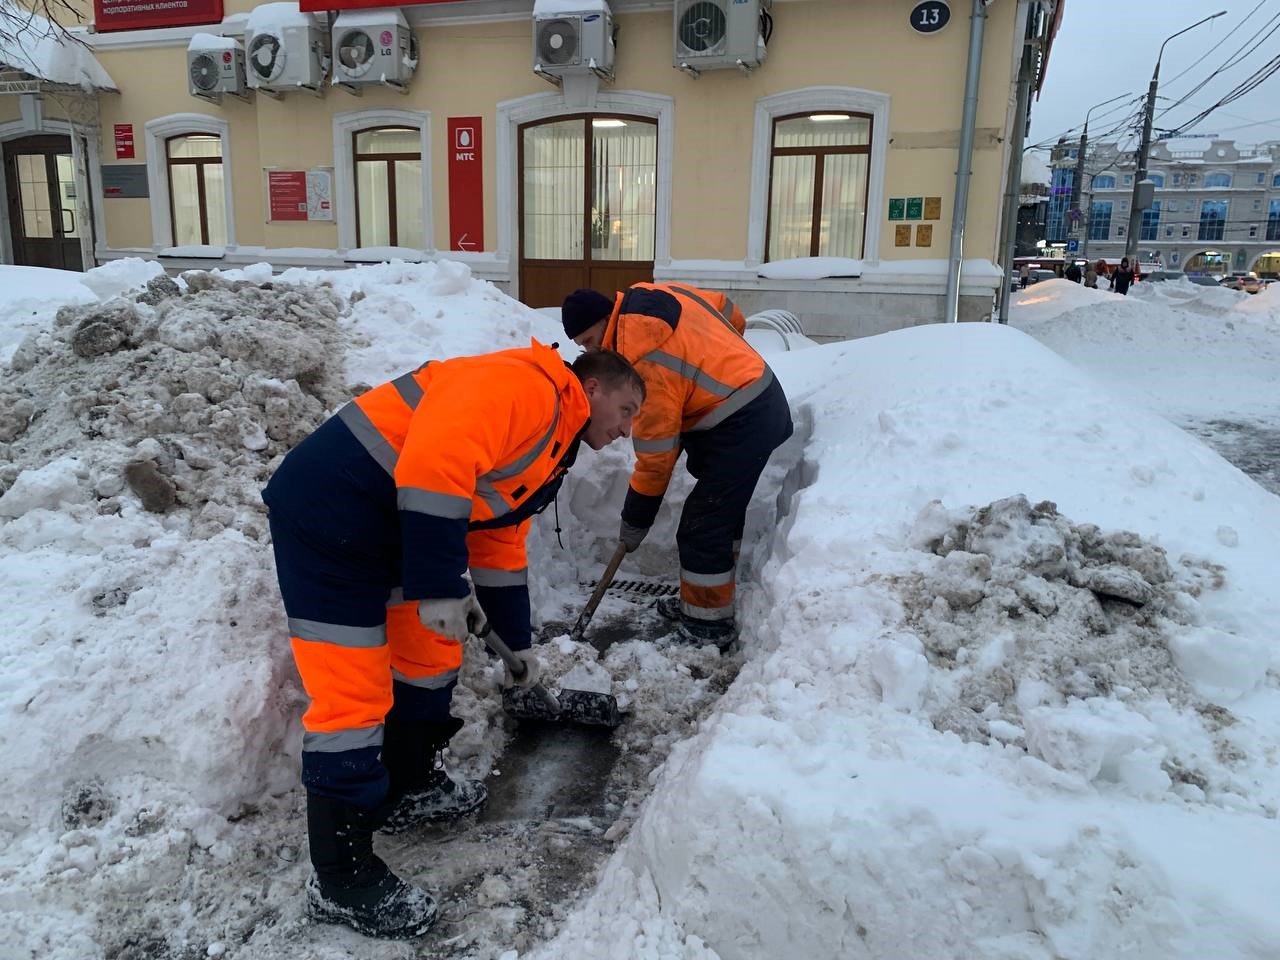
[[1185, 350], [184, 399], [810, 268], [830, 808], [30, 296], [1264, 305]]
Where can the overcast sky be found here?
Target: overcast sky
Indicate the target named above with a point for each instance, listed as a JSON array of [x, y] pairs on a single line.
[[1105, 49]]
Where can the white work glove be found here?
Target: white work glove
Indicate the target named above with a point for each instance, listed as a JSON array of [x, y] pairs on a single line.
[[532, 670], [453, 617], [630, 536]]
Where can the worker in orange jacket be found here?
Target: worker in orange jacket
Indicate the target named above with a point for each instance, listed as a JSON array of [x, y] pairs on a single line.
[[375, 518], [711, 395]]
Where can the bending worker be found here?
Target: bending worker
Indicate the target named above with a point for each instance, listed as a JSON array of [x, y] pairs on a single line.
[[709, 394], [375, 519]]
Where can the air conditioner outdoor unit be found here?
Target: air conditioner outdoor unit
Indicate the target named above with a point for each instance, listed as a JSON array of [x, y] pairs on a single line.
[[372, 47], [718, 34], [572, 37], [285, 49], [215, 67]]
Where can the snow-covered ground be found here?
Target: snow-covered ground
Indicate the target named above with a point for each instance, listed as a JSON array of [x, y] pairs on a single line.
[[1007, 687]]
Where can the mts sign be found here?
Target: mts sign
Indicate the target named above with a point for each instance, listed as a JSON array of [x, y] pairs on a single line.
[[466, 184]]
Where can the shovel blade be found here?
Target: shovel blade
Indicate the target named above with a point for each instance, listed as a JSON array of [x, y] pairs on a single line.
[[576, 706]]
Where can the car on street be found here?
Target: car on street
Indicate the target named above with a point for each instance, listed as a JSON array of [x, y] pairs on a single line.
[[1241, 281], [1201, 280]]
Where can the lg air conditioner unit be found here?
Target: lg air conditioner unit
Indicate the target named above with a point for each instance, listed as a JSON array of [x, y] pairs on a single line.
[[572, 38], [719, 34], [373, 47], [215, 67], [285, 49]]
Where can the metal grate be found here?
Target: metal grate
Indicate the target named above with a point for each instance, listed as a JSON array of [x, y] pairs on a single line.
[[641, 588]]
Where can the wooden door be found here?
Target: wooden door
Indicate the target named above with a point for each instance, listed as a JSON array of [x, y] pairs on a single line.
[[40, 175], [587, 205]]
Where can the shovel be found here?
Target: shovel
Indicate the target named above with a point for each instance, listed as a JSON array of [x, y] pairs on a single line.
[[539, 703], [580, 625]]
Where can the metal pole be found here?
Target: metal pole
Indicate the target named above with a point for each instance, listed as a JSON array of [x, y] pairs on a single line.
[[1014, 186], [1144, 146], [1140, 174], [964, 169]]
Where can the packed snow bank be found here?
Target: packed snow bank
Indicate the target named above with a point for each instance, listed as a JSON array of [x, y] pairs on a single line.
[[1187, 351], [961, 732], [1264, 304]]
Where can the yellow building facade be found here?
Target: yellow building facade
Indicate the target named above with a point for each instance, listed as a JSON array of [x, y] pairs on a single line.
[[842, 143]]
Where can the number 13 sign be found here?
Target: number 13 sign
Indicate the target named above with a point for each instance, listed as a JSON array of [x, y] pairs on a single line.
[[930, 16]]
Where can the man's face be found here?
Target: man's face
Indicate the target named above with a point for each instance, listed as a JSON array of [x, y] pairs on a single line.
[[592, 338], [611, 412]]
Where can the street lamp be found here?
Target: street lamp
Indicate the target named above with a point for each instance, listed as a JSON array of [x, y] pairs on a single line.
[[1077, 183], [1140, 174]]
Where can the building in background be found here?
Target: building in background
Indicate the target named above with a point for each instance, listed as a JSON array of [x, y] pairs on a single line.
[[548, 145], [1216, 210]]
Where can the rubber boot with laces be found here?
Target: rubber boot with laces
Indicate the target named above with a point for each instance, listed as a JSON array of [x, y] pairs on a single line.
[[351, 885], [422, 789]]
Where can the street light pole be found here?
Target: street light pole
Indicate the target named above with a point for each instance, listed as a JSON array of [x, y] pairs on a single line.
[[1077, 183], [1144, 147]]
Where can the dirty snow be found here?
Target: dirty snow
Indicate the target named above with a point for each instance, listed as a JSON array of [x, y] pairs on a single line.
[[1007, 686]]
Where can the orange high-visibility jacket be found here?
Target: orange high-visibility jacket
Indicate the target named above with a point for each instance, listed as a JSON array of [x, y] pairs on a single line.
[[473, 444], [687, 344]]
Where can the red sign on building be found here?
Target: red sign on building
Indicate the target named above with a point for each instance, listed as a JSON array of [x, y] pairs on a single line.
[[124, 141], [466, 184], [145, 14], [320, 6], [287, 194]]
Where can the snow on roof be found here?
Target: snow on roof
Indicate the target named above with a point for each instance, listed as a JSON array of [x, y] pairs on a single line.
[[552, 8], [370, 18], [205, 42], [275, 17], [34, 45]]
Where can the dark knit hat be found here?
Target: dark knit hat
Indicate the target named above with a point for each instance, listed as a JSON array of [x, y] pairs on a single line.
[[583, 309]]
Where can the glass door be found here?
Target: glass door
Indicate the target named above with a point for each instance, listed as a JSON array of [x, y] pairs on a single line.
[[588, 205], [41, 191]]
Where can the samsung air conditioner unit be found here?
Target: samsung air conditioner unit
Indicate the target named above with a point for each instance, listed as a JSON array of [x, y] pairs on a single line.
[[215, 67], [721, 34], [373, 47], [285, 49], [572, 38]]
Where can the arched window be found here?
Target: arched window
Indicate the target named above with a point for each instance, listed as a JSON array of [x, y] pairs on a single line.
[[197, 189], [389, 184], [1104, 182], [1217, 179], [818, 185]]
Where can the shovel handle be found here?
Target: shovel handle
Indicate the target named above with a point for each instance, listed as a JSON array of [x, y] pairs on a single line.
[[517, 666], [584, 618]]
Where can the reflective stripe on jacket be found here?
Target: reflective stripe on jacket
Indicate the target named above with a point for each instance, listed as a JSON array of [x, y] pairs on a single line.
[[687, 344], [471, 443]]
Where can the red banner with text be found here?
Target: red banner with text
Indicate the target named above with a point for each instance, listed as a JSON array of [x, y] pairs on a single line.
[[466, 184], [111, 15], [319, 6]]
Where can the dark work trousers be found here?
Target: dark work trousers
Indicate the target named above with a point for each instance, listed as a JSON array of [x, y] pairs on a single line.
[[727, 462], [331, 583]]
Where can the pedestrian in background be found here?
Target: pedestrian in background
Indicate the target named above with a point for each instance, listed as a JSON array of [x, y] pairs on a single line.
[[1024, 276], [1122, 277], [1090, 274], [1073, 272]]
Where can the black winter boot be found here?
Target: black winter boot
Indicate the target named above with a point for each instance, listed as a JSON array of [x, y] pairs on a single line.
[[720, 632], [422, 790], [352, 886]]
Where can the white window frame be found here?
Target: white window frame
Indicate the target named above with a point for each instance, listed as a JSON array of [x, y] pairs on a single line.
[[513, 114], [826, 99], [345, 126], [158, 132]]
